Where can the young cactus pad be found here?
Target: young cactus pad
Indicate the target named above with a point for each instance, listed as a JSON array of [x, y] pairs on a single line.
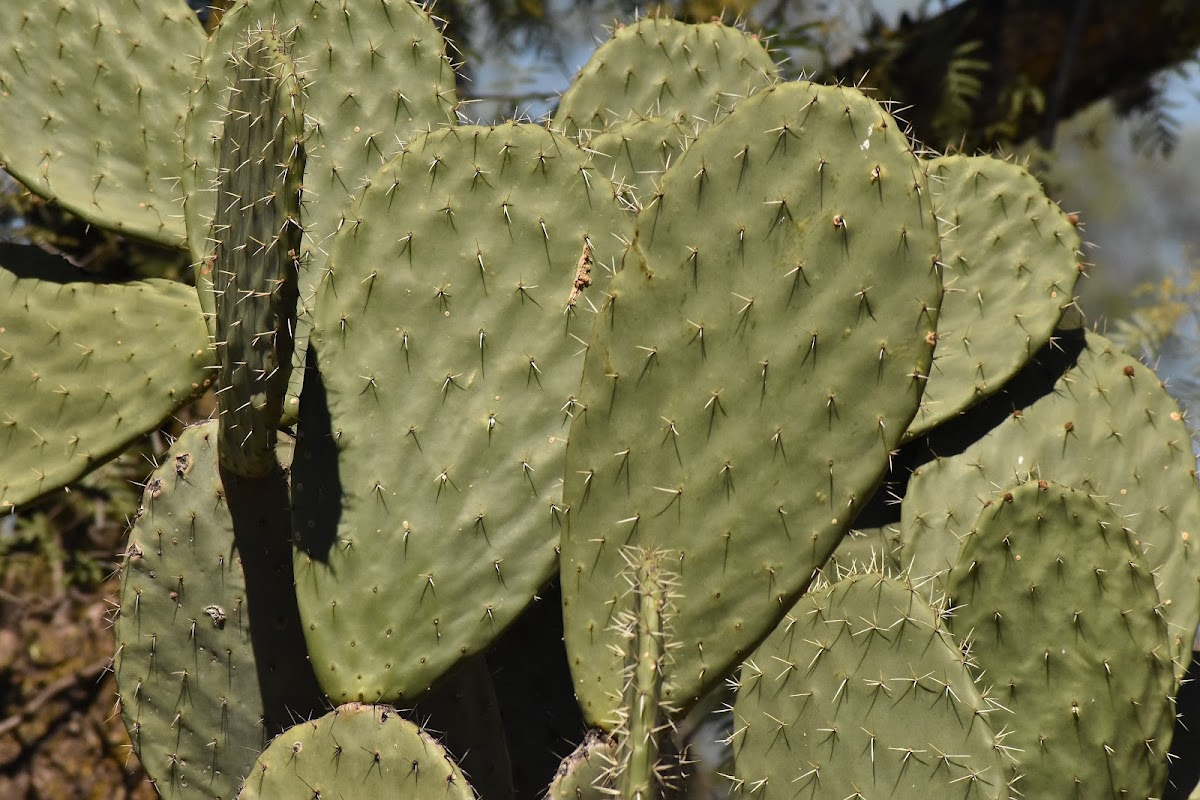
[[861, 692], [257, 241], [658, 67], [450, 329], [1011, 259], [1064, 620], [86, 368], [365, 752], [92, 96], [201, 687], [1109, 429], [748, 377]]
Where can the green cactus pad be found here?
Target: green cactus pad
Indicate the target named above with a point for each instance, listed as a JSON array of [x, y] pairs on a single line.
[[588, 772], [356, 751], [92, 96], [861, 692], [451, 359], [1110, 429], [257, 241], [663, 68], [377, 75], [1064, 619], [746, 381], [1011, 261], [201, 686], [86, 368], [635, 153]]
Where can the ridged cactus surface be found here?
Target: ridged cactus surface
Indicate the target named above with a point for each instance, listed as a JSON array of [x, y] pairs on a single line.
[[86, 368], [760, 355], [365, 752], [92, 97], [1108, 429], [861, 692], [450, 330], [257, 243], [1063, 618], [1011, 259]]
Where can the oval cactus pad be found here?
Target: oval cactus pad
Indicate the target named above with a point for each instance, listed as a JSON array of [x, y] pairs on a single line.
[[450, 331], [748, 378]]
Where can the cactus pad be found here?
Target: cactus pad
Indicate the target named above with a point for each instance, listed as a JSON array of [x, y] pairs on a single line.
[[861, 692], [451, 372], [360, 751], [91, 102], [587, 773], [1011, 260], [660, 67], [201, 687], [1063, 617], [1109, 429], [747, 380], [86, 368]]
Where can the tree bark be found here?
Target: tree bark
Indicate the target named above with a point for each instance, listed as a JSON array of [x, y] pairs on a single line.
[[1118, 48]]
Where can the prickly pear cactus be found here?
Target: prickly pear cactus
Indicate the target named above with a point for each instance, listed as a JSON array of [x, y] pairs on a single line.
[[449, 332], [256, 239], [1108, 428], [368, 752], [1011, 258], [92, 96], [658, 67], [209, 661], [748, 376], [862, 692], [1063, 617], [86, 368]]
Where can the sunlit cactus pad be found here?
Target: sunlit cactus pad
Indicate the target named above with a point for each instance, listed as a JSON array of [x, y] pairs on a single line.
[[86, 368], [92, 96], [450, 333], [1011, 259], [660, 67], [365, 752], [762, 352], [861, 692], [1063, 616], [1109, 429]]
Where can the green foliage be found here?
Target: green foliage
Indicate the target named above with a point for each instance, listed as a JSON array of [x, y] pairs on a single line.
[[680, 396]]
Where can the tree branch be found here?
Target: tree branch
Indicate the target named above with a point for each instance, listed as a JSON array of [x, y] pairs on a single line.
[[1122, 45]]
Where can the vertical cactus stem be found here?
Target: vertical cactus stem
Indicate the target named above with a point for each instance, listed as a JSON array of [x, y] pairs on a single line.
[[641, 765], [258, 238]]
